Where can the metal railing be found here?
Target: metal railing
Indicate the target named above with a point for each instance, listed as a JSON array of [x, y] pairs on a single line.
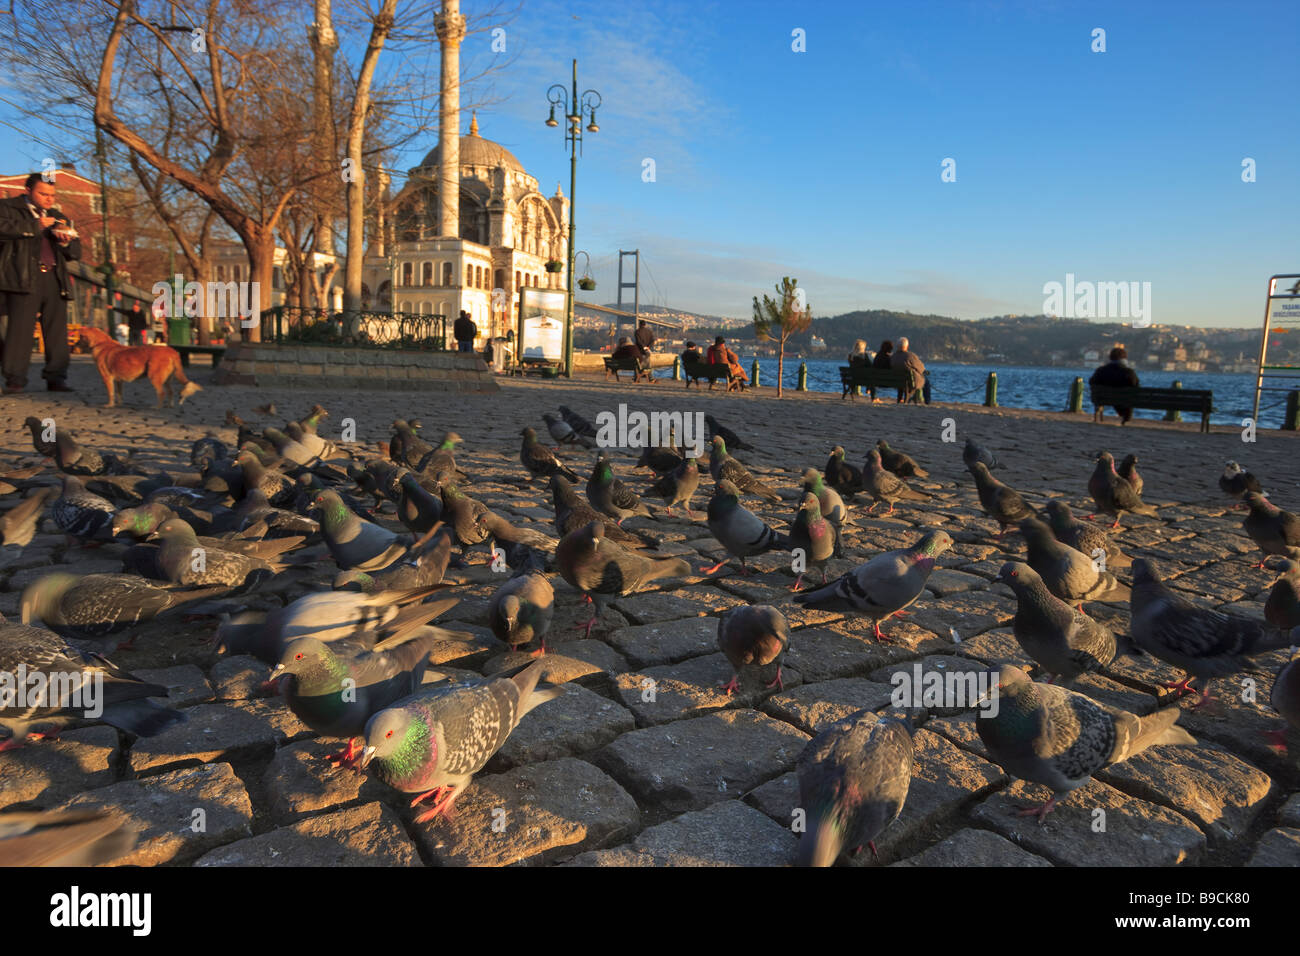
[[363, 329]]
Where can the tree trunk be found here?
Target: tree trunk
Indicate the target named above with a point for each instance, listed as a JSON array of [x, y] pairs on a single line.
[[780, 366]]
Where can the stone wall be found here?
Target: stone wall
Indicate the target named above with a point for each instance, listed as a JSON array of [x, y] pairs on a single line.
[[312, 366]]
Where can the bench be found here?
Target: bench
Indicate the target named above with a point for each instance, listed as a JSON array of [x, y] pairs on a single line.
[[216, 351], [693, 371], [853, 377], [614, 366], [1155, 399]]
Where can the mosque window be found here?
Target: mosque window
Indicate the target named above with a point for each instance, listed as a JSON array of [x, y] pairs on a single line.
[[427, 277], [446, 273]]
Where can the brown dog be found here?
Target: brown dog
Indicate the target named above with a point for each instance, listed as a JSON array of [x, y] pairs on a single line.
[[120, 363]]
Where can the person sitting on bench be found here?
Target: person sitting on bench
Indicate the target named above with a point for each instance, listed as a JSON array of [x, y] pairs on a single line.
[[719, 354], [692, 354], [627, 350], [1116, 373]]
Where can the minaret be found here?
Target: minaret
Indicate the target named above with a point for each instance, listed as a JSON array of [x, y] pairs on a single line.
[[450, 26]]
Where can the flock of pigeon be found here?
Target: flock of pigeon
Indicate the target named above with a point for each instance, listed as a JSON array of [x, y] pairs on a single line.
[[353, 661]]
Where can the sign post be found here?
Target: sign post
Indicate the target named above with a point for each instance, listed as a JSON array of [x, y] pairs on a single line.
[[1281, 318]]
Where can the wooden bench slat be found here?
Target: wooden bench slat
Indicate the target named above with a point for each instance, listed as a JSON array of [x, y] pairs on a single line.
[[1196, 400], [694, 371], [868, 376]]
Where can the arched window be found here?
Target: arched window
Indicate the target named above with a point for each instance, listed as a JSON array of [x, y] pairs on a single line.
[[469, 275], [427, 277], [517, 279], [446, 273], [408, 272]]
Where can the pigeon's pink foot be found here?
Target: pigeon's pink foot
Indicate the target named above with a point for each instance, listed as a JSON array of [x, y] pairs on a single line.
[[346, 757], [443, 807], [51, 735], [670, 512], [880, 637], [690, 514], [1001, 533], [714, 568], [871, 845], [891, 509], [586, 599], [746, 571], [590, 625], [777, 683], [1183, 686], [873, 507], [1115, 525], [732, 686], [426, 795], [1277, 740], [1040, 811], [797, 581], [11, 743], [540, 652]]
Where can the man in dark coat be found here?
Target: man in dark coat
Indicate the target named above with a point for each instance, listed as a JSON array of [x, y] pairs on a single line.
[[645, 338], [36, 244], [465, 331], [137, 321], [904, 358], [1116, 373]]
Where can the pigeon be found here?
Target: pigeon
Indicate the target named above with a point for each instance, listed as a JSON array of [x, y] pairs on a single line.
[[814, 535], [288, 449], [678, 486], [1063, 641], [731, 439], [464, 515], [1001, 503], [831, 505], [141, 522], [406, 447], [80, 514], [18, 525], [882, 485], [93, 606], [1285, 699], [1113, 493], [424, 567], [610, 496], [73, 458], [660, 459], [417, 508], [904, 466], [579, 424], [308, 426], [840, 475], [255, 518], [753, 634], [72, 686], [563, 432], [433, 742], [599, 568], [883, 586], [1236, 481], [741, 532], [853, 782], [267, 409], [973, 453], [42, 445], [1282, 609], [185, 562], [521, 610], [501, 530], [1128, 470], [440, 463], [336, 688], [1276, 531], [1204, 643], [540, 460], [1067, 573], [64, 838], [1088, 539], [1058, 737], [723, 467], [571, 513], [278, 488], [355, 542]]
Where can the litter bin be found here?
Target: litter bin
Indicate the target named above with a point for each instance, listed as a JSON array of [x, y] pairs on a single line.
[[179, 331], [498, 355]]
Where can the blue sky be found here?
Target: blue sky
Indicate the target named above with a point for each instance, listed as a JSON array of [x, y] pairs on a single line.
[[825, 165]]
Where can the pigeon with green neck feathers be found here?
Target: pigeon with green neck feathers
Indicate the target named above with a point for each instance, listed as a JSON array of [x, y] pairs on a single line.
[[610, 496], [853, 782], [1054, 736], [432, 743], [572, 513], [355, 543], [814, 535], [741, 532], [440, 463], [678, 486], [830, 503], [723, 467], [187, 562], [463, 513], [406, 447], [885, 585], [840, 475]]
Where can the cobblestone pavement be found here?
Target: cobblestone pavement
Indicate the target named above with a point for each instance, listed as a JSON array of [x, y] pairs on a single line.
[[611, 774]]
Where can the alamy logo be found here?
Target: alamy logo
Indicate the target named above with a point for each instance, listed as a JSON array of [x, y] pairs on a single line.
[[82, 690], [72, 909], [216, 300], [953, 689], [639, 430], [1099, 300]]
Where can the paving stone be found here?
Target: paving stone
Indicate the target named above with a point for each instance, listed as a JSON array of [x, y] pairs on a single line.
[[658, 695], [299, 781], [230, 730], [1221, 581], [656, 607], [1237, 725], [1137, 833], [974, 848], [1222, 794], [1280, 847], [471, 654], [969, 613], [1289, 814], [778, 596], [943, 581], [692, 763], [586, 662], [239, 677], [998, 646], [543, 812], [369, 835], [814, 707], [185, 684], [963, 683], [726, 834], [179, 814], [777, 798], [44, 773], [577, 721], [652, 644], [846, 649]]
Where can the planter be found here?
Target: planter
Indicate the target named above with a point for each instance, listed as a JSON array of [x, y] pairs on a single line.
[[554, 265], [586, 284]]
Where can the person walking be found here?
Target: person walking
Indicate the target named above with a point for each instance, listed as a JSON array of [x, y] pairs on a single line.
[[138, 323], [465, 331], [36, 244], [903, 358], [1116, 373], [882, 360]]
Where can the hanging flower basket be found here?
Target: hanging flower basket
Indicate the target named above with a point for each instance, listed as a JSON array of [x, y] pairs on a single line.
[[554, 265], [586, 283]]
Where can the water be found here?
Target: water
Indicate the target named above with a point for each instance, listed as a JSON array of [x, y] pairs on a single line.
[[1021, 386]]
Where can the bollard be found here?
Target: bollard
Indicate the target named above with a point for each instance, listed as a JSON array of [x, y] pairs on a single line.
[[1075, 403], [803, 378], [1291, 422], [1173, 415], [753, 378], [991, 391], [677, 368]]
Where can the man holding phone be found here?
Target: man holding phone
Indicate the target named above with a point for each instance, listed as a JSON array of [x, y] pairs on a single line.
[[36, 243]]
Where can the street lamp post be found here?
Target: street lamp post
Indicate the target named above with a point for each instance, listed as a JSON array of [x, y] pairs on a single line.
[[575, 108]]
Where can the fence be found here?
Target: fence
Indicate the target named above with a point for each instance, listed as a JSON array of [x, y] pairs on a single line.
[[386, 330]]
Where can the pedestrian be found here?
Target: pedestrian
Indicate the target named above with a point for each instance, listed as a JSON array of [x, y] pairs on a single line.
[[122, 332], [719, 354], [903, 358], [465, 331], [645, 338], [882, 360], [1117, 373], [138, 323], [36, 244]]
